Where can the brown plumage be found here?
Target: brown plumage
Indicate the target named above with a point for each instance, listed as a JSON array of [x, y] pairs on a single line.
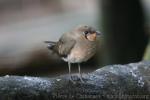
[[76, 46]]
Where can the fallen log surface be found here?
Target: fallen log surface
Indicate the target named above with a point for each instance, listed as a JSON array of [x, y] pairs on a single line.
[[113, 82]]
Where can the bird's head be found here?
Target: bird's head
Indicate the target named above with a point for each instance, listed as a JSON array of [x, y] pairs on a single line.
[[88, 32]]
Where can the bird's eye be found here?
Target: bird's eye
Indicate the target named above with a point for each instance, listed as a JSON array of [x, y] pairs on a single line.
[[85, 32]]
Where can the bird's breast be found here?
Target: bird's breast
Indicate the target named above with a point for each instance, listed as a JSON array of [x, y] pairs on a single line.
[[80, 54]]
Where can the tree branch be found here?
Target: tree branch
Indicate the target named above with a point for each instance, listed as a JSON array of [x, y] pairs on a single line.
[[131, 81]]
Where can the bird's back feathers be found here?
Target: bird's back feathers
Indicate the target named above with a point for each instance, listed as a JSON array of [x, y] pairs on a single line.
[[62, 47]]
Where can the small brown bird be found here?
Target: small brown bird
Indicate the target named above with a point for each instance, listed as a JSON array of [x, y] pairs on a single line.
[[76, 46]]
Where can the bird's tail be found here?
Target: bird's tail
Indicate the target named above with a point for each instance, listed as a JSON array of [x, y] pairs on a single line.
[[50, 45]]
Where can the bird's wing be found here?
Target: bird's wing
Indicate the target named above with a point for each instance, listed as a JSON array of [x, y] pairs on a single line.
[[64, 45]]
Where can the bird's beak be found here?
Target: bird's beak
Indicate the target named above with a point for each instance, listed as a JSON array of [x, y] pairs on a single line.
[[98, 33]]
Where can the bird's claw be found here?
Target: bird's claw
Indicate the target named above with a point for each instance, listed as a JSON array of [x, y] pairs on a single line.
[[76, 78], [81, 80], [72, 81]]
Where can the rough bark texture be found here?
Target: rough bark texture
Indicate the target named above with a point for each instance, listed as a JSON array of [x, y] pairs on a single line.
[[113, 82]]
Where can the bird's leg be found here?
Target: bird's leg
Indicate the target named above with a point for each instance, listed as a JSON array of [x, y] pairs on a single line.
[[69, 66], [80, 75]]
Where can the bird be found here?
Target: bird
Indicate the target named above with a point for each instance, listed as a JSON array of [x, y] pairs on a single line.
[[76, 46]]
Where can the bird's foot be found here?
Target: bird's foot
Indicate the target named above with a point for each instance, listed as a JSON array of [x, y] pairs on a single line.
[[71, 80], [75, 79], [81, 80]]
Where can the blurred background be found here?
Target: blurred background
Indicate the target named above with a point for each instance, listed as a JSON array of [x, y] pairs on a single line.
[[25, 24]]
